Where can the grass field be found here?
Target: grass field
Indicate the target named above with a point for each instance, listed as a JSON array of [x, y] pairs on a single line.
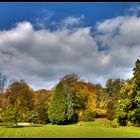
[[96, 129]]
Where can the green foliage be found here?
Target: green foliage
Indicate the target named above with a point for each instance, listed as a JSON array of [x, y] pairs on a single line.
[[57, 109], [42, 98], [21, 94], [129, 123], [85, 98], [128, 110], [61, 110], [136, 117], [72, 100], [43, 115], [115, 123], [11, 115], [87, 115], [113, 87], [136, 73], [69, 79], [70, 112], [31, 117], [17, 100]]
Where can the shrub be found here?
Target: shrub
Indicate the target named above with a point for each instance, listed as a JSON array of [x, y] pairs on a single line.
[[115, 123], [87, 116], [100, 113], [129, 123]]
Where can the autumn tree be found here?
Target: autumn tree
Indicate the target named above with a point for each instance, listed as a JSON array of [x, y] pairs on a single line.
[[1, 100], [136, 73], [68, 82], [84, 100], [100, 100], [61, 109], [18, 96], [128, 110], [69, 79], [113, 87], [21, 92], [10, 115], [42, 101], [125, 103]]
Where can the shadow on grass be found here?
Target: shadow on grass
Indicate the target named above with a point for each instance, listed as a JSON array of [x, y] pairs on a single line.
[[13, 126], [17, 126], [36, 125]]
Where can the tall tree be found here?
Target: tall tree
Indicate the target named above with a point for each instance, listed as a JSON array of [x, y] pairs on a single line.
[[125, 103], [58, 106], [84, 100], [136, 73], [69, 79], [61, 109], [19, 90], [71, 114], [42, 101], [113, 87], [128, 111], [68, 82], [136, 92]]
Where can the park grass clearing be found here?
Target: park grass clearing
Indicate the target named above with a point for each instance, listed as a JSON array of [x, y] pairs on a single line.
[[100, 128]]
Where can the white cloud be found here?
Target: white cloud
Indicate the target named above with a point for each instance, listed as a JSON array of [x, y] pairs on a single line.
[[43, 56], [45, 19], [120, 36], [109, 25], [135, 9], [73, 20]]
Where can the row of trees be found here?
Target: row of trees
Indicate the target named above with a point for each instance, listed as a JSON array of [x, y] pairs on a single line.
[[72, 100], [128, 109]]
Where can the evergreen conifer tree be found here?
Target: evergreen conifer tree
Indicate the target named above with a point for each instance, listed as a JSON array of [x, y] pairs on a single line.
[[58, 106]]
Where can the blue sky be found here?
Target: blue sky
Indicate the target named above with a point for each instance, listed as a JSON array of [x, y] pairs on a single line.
[[40, 42], [11, 12]]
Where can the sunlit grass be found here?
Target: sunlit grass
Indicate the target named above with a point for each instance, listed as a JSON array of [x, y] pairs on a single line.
[[100, 128]]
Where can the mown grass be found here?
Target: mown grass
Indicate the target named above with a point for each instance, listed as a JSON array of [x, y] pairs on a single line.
[[98, 129]]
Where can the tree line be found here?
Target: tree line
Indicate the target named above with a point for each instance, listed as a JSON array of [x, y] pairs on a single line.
[[72, 100]]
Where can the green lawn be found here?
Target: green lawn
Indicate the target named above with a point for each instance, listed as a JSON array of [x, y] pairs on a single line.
[[96, 129]]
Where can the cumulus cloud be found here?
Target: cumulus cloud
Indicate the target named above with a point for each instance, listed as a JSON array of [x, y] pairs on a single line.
[[43, 56], [120, 37]]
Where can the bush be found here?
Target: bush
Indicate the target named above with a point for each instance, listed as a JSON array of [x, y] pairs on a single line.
[[100, 113], [43, 115], [87, 116], [115, 123], [110, 114], [129, 123], [31, 117]]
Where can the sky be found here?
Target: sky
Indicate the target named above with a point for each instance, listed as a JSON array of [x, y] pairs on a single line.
[[41, 42]]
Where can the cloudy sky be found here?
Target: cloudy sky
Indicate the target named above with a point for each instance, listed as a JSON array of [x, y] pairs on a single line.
[[41, 42]]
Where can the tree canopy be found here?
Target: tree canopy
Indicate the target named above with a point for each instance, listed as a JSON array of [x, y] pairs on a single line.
[[72, 100]]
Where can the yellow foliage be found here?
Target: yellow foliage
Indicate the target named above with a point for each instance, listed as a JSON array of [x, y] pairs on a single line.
[[100, 112]]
